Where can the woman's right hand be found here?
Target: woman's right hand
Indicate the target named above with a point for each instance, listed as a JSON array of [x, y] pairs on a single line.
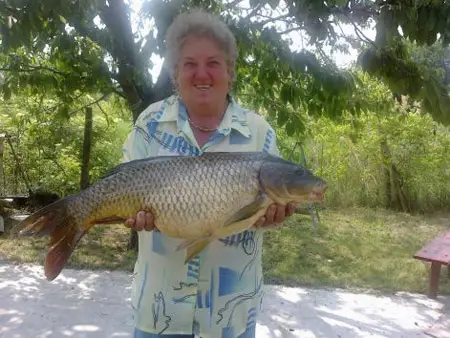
[[143, 221]]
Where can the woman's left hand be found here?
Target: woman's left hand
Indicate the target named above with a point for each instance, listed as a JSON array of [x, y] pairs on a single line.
[[275, 215]]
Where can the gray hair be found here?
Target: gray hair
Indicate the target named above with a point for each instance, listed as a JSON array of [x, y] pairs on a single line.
[[201, 24]]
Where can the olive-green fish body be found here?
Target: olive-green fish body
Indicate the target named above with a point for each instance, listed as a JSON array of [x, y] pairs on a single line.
[[198, 199], [188, 197]]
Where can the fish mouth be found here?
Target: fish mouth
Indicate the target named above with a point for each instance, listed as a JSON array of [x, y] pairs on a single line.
[[318, 192]]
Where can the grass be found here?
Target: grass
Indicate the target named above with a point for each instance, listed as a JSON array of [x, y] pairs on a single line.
[[353, 248], [103, 247]]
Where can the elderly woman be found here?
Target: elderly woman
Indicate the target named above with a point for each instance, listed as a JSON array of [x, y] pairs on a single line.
[[219, 292]]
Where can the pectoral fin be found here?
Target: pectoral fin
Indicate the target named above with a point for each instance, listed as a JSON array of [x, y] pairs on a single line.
[[194, 247], [248, 215], [241, 220]]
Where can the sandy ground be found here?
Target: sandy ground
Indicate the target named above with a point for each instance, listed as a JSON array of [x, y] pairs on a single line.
[[96, 304]]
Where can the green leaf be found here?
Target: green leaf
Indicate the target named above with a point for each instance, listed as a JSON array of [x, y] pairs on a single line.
[[341, 2], [63, 19], [282, 116]]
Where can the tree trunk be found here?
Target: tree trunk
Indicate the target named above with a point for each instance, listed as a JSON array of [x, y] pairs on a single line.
[[86, 154], [2, 171], [386, 159], [396, 198]]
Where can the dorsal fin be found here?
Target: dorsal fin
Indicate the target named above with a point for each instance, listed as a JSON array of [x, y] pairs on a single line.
[[135, 163]]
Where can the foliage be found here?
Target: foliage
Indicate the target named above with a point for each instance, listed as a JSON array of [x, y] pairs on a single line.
[[77, 47], [348, 151], [349, 156], [49, 144]]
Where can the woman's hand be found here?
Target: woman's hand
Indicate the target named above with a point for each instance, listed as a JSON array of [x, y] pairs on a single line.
[[275, 215], [143, 221]]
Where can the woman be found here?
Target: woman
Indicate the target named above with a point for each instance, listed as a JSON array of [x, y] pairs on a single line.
[[219, 292]]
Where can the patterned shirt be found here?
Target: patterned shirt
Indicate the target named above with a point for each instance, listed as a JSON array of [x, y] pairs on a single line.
[[219, 292]]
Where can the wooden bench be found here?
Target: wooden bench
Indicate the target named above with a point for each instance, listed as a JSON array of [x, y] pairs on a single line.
[[437, 252]]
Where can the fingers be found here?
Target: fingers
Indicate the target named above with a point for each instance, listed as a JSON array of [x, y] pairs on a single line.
[[149, 225], [280, 214], [140, 221], [129, 223], [275, 215], [290, 209], [270, 214], [143, 221]]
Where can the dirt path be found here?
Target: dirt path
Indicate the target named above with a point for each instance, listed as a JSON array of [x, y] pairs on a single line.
[[96, 304]]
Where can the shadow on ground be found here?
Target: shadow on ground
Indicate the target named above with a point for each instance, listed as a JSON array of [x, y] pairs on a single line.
[[77, 304], [298, 312], [82, 303]]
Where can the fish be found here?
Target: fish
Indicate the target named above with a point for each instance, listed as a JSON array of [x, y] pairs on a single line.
[[197, 199]]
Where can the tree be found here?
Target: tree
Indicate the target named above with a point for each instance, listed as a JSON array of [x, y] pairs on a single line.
[[83, 46], [70, 48]]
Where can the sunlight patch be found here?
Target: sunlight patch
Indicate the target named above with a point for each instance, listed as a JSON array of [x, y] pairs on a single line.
[[86, 328]]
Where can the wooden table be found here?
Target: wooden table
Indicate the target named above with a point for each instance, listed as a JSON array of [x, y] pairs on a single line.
[[437, 252]]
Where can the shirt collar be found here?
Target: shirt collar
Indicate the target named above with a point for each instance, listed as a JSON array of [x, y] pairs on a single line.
[[234, 118]]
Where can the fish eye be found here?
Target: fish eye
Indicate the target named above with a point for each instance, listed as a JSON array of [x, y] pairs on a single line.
[[300, 171]]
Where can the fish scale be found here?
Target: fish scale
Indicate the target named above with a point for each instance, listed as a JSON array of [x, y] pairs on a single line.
[[198, 199]]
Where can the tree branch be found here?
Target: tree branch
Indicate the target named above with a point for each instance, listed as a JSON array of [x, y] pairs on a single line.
[[32, 68], [360, 34], [272, 19], [132, 75], [91, 103], [232, 4], [104, 113], [253, 11], [287, 31]]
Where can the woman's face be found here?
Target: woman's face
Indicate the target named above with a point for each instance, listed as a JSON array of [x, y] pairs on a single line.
[[203, 73]]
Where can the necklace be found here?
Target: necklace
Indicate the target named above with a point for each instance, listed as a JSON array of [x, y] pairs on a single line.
[[199, 127]]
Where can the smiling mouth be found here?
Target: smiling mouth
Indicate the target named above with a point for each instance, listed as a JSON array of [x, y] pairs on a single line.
[[203, 87]]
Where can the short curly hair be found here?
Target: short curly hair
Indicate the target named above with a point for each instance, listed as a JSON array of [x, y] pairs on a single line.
[[201, 24]]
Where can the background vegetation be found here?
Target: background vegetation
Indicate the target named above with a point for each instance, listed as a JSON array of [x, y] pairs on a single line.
[[74, 75]]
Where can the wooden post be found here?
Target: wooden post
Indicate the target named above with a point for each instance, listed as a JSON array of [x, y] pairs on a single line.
[[86, 153], [434, 279]]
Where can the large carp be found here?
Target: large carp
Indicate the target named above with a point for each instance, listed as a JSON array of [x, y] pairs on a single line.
[[198, 199]]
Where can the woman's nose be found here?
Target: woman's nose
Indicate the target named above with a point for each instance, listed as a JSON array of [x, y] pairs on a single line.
[[201, 71]]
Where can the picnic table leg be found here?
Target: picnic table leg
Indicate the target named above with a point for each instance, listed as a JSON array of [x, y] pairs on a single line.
[[434, 279]]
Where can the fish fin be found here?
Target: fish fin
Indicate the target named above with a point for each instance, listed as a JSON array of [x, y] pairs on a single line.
[[247, 211], [121, 167], [195, 248], [189, 242], [62, 243], [108, 220], [244, 218], [46, 220], [64, 231]]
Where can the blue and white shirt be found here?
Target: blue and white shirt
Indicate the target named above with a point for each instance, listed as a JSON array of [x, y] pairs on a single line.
[[219, 293]]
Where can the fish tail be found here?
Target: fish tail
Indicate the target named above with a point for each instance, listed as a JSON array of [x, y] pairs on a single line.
[[64, 231]]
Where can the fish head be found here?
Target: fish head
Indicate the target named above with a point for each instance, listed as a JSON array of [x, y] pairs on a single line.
[[285, 182]]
